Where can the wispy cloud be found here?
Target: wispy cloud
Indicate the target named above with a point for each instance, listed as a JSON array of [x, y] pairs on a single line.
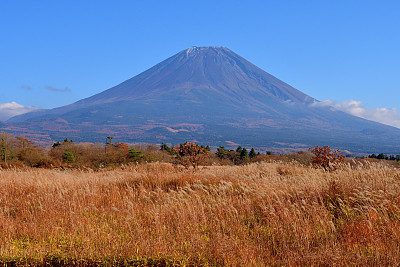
[[388, 116], [8, 110], [51, 88], [26, 87]]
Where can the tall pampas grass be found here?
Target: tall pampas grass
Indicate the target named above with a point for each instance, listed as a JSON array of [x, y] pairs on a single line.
[[253, 215]]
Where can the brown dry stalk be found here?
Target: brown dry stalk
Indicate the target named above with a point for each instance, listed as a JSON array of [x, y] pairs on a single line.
[[253, 215]]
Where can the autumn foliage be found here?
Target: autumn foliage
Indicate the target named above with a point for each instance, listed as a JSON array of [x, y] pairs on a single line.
[[326, 158], [190, 154]]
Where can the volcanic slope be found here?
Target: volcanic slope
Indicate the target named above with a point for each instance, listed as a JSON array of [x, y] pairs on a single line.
[[210, 95]]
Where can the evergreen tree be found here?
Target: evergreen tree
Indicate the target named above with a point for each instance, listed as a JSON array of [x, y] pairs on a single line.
[[239, 150], [382, 156], [253, 153], [68, 157], [135, 155], [222, 153], [164, 147], [244, 154], [56, 144], [6, 146]]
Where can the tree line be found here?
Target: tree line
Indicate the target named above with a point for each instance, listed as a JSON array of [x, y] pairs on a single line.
[[67, 153], [18, 150], [385, 157]]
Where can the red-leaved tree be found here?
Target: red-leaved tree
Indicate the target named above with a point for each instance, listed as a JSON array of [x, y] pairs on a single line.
[[190, 154], [326, 158]]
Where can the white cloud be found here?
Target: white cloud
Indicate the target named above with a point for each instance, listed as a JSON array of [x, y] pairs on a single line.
[[8, 110], [388, 116]]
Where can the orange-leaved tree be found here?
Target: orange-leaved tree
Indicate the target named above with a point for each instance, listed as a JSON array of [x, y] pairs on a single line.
[[190, 154], [326, 158]]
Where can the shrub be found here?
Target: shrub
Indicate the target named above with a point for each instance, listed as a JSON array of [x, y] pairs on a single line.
[[34, 157], [190, 154], [324, 157]]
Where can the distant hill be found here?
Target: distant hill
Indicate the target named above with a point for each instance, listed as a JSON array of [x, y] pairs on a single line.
[[213, 96]]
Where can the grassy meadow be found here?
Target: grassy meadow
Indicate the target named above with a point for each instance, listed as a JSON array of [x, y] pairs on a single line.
[[157, 214]]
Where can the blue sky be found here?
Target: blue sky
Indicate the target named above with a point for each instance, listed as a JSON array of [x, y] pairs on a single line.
[[345, 53]]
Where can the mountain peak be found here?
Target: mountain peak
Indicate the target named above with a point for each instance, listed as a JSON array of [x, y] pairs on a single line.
[[196, 49], [203, 74]]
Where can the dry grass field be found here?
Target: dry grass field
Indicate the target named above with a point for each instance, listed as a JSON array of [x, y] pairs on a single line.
[[156, 214]]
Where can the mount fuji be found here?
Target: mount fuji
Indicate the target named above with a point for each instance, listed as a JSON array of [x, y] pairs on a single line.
[[212, 96]]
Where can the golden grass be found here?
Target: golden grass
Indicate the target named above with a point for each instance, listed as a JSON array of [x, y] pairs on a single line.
[[155, 214]]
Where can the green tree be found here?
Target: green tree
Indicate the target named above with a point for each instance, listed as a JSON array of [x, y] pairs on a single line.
[[56, 144], [382, 156], [166, 148], [68, 157], [135, 155], [222, 153], [244, 154], [252, 153], [6, 146]]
